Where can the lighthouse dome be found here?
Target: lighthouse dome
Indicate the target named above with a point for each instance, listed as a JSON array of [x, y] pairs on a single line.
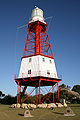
[[37, 14]]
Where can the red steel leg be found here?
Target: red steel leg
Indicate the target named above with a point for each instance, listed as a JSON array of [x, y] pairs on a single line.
[[53, 94], [58, 91], [18, 94], [37, 96], [39, 92]]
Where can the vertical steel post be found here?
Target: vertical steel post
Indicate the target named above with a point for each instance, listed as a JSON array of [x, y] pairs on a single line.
[[58, 91], [37, 96], [18, 93], [39, 92], [38, 39], [53, 93]]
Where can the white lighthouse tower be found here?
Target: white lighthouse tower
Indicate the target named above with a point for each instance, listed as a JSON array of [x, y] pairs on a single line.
[[37, 66]]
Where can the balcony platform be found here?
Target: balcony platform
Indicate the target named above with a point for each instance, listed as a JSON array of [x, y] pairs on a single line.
[[32, 81]]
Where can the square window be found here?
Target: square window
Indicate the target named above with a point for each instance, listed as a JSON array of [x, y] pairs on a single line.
[[43, 59], [50, 61], [48, 72], [30, 59], [29, 71]]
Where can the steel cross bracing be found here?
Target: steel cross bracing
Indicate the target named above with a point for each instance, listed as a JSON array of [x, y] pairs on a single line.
[[37, 41], [38, 93]]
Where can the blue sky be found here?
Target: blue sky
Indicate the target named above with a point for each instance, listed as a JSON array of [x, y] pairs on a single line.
[[64, 31]]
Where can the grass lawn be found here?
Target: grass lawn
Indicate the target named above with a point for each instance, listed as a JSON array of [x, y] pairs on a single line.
[[7, 113]]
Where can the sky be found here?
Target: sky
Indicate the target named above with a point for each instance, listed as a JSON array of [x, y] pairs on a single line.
[[64, 32]]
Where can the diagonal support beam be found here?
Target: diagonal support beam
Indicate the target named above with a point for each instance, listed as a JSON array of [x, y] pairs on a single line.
[[23, 91], [28, 96], [46, 94]]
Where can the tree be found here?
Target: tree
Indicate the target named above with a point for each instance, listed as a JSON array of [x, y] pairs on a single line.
[[1, 94], [76, 88], [8, 99], [68, 87], [63, 86]]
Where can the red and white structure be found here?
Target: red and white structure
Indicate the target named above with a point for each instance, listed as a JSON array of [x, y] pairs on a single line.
[[37, 68]]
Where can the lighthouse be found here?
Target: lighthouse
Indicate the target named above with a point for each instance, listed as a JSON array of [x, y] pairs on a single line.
[[37, 63]]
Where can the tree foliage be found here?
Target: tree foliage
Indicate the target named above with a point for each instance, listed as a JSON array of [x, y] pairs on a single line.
[[63, 86], [1, 94], [9, 100], [76, 88]]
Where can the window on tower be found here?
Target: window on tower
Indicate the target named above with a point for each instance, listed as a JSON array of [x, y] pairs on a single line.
[[43, 59], [30, 59], [48, 72], [50, 61], [29, 71]]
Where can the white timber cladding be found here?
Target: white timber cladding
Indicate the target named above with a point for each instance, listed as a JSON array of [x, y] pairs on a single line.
[[37, 14], [37, 66]]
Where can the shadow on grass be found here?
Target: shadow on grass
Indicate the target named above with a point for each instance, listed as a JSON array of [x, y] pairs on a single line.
[[20, 114], [58, 113]]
